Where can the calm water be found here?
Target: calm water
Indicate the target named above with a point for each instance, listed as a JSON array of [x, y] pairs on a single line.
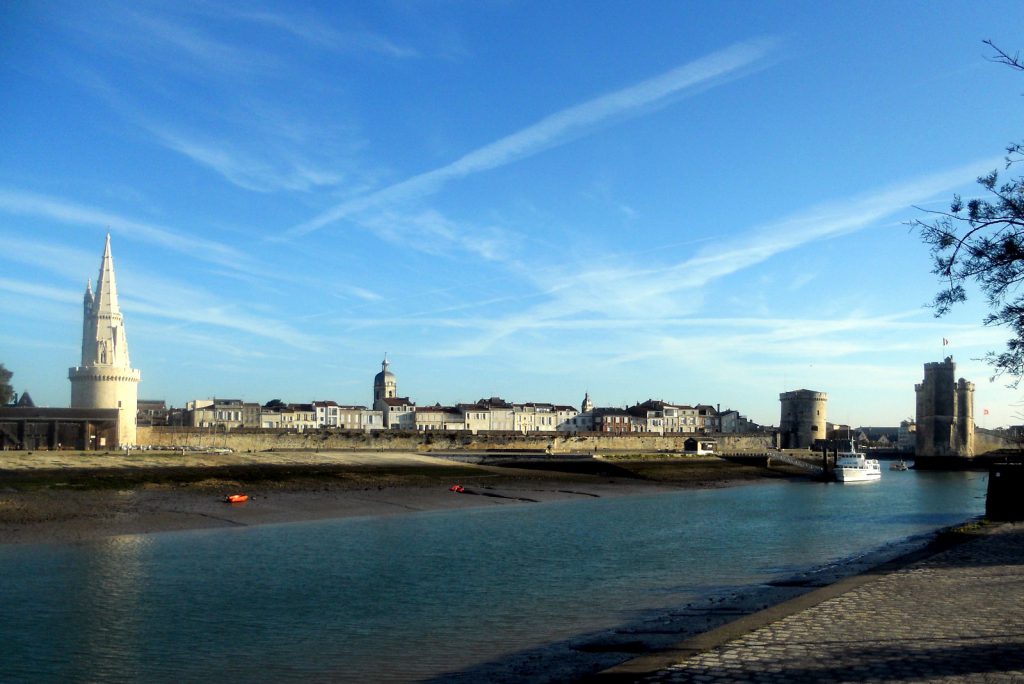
[[402, 598]]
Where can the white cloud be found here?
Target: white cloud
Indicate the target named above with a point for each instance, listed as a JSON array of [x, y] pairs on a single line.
[[559, 128], [39, 291], [230, 317], [30, 204], [627, 292], [431, 232], [319, 33], [259, 172]]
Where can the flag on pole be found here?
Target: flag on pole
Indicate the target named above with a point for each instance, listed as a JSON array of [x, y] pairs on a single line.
[[944, 342]]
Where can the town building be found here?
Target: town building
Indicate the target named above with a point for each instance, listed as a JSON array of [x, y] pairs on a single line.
[[488, 415], [105, 378], [152, 412], [228, 414], [540, 417], [331, 414], [613, 421], [707, 419], [582, 421], [907, 438], [399, 413], [440, 418], [732, 423]]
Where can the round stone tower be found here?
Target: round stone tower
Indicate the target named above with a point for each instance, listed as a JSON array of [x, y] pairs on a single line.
[[804, 416], [106, 378]]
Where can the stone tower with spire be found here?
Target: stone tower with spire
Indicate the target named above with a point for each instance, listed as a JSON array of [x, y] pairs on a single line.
[[105, 378]]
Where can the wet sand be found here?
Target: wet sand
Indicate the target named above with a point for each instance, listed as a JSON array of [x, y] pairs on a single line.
[[59, 497]]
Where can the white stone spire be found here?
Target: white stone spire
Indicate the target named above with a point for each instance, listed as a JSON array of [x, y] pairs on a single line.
[[104, 342], [105, 378]]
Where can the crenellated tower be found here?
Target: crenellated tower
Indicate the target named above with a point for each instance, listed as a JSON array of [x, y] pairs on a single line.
[[105, 378], [945, 412], [804, 418]]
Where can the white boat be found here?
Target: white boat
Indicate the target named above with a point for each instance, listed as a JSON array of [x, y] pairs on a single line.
[[899, 465], [852, 466]]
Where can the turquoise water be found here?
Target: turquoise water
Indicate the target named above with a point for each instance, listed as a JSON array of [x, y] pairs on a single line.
[[402, 598]]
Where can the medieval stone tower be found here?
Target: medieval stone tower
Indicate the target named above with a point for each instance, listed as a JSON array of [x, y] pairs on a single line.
[[945, 412], [804, 415], [385, 386], [106, 379]]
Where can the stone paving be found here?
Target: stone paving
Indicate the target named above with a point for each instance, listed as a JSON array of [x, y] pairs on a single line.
[[956, 616]]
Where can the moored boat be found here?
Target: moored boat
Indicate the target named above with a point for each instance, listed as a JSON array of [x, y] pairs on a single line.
[[852, 466], [899, 465], [236, 498]]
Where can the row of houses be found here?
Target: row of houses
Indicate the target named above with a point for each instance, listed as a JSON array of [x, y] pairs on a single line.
[[485, 415]]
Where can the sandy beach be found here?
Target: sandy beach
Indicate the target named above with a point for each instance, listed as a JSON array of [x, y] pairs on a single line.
[[55, 497]]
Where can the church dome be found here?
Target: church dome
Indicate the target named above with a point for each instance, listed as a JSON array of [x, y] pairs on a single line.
[[384, 374]]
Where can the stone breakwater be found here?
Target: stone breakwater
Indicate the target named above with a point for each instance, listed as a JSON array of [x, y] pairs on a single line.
[[255, 440]]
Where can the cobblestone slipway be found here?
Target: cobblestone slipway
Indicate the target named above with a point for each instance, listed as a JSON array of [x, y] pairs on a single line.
[[955, 616]]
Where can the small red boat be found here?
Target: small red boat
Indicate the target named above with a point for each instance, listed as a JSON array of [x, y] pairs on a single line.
[[236, 498], [457, 488]]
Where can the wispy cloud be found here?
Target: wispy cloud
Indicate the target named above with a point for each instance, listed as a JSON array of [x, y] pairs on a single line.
[[194, 44], [560, 128], [231, 317], [431, 232], [149, 297], [64, 261], [612, 294], [54, 294], [164, 38], [319, 33], [820, 222], [63, 211], [259, 172]]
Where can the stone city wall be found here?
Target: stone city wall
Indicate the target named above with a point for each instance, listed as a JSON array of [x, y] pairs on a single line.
[[256, 440], [992, 440]]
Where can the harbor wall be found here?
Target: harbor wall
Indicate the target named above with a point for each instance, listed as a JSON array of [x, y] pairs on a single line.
[[991, 440], [256, 440]]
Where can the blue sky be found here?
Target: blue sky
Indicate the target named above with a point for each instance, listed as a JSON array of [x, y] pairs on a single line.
[[699, 202]]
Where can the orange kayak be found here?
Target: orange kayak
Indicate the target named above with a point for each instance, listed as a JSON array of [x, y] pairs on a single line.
[[236, 498]]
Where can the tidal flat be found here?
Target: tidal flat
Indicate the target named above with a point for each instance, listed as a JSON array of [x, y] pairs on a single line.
[[77, 496]]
